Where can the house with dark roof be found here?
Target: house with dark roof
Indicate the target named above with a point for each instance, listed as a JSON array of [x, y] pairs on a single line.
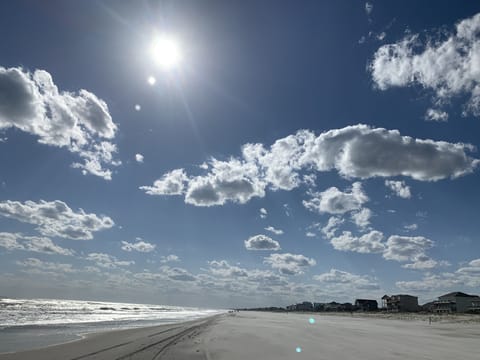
[[400, 303], [455, 302], [366, 305]]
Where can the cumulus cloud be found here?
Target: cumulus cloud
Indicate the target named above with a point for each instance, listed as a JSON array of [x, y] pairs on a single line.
[[107, 261], [140, 246], [79, 122], [261, 242], [448, 65], [234, 180], [224, 269], [362, 217], [371, 242], [177, 274], [169, 258], [436, 115], [425, 263], [55, 218], [274, 231], [352, 151], [263, 213], [15, 241], [46, 266], [463, 277], [332, 226], [399, 188], [289, 264], [334, 201], [407, 248], [410, 227], [139, 158], [338, 277], [171, 183]]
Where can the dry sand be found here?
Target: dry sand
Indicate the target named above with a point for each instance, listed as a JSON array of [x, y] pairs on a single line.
[[275, 336]]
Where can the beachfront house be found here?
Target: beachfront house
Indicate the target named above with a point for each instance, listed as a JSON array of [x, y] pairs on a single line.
[[304, 306], [366, 305], [400, 303], [455, 302]]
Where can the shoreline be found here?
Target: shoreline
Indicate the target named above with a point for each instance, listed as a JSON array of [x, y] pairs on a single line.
[[94, 343]]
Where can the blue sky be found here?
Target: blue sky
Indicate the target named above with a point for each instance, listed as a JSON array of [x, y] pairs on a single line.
[[322, 151]]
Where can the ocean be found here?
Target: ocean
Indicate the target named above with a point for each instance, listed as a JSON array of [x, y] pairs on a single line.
[[33, 323]]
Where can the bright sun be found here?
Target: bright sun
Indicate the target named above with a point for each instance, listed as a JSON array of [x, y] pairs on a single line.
[[166, 52]]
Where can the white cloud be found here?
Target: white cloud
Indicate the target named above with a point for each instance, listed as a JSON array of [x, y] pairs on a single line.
[[411, 227], [224, 269], [274, 231], [37, 244], [333, 201], [139, 158], [55, 218], [436, 115], [263, 213], [425, 263], [261, 242], [177, 274], [79, 122], [362, 217], [352, 151], [171, 183], [368, 7], [107, 261], [407, 248], [445, 281], [169, 258], [140, 246], [310, 234], [448, 65], [331, 228], [289, 264], [46, 266], [341, 278], [371, 242], [399, 188], [234, 180]]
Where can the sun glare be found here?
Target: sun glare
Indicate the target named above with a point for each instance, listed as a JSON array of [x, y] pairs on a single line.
[[166, 52]]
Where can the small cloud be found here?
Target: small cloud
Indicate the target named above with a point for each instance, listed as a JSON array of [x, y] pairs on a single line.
[[261, 242], [139, 158], [140, 246], [263, 213], [273, 230], [399, 188], [436, 115], [310, 234], [368, 7], [411, 227], [169, 258]]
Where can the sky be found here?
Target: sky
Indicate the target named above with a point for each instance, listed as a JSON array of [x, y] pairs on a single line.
[[241, 153]]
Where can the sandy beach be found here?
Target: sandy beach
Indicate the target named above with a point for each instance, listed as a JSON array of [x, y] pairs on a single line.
[[257, 335]]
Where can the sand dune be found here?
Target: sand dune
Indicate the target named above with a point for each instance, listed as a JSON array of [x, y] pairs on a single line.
[[271, 336]]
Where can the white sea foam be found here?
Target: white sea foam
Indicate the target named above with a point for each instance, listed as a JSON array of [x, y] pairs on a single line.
[[38, 312]]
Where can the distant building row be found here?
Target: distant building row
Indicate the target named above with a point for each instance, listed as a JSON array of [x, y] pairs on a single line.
[[455, 302]]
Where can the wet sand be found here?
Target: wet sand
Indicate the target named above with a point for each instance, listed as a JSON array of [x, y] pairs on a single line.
[[276, 336]]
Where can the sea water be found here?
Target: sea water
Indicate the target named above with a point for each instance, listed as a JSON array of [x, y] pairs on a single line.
[[33, 323]]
